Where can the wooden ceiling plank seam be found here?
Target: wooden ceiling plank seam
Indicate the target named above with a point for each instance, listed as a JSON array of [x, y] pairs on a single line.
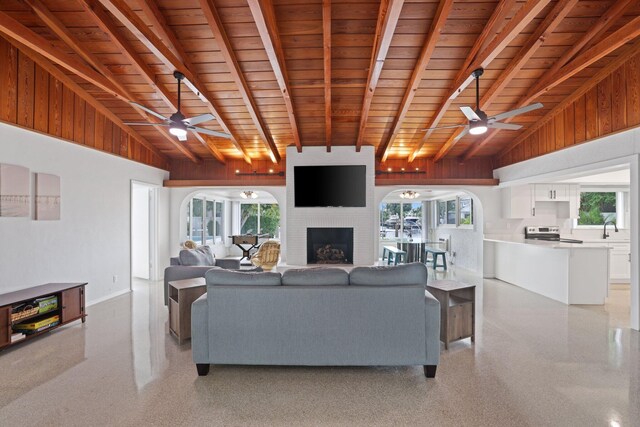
[[264, 16], [625, 53], [215, 23], [535, 40], [437, 24], [613, 13], [388, 17], [127, 17], [65, 35], [39, 44], [154, 14], [326, 63], [56, 72], [520, 20]]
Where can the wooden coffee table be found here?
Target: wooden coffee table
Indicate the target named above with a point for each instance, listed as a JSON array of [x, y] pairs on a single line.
[[182, 293], [457, 309]]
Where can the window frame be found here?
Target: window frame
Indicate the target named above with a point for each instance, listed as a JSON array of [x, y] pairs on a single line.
[[456, 201], [204, 238], [258, 215], [622, 197]]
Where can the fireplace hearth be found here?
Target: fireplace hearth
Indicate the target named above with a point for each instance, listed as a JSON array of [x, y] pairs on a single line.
[[329, 245]]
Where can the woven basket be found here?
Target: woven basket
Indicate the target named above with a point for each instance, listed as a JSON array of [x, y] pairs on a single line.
[[28, 311]]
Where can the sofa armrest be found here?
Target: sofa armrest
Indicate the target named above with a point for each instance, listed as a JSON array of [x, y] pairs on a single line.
[[180, 272], [200, 330], [228, 263], [432, 325]]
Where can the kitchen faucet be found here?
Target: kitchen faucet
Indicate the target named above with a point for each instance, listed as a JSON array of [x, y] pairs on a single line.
[[605, 234]]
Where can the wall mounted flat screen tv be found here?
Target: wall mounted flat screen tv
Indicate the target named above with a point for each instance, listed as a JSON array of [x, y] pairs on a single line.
[[330, 186]]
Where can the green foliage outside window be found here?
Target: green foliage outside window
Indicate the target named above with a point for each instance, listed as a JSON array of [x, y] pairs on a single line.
[[597, 207], [268, 215]]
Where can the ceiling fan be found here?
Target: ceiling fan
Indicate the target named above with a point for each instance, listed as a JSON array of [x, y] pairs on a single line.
[[479, 122], [178, 124]]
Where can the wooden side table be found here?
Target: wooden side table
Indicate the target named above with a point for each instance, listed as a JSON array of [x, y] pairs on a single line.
[[182, 293], [457, 309]]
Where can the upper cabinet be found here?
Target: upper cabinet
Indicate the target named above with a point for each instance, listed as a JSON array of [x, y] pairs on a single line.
[[520, 201]]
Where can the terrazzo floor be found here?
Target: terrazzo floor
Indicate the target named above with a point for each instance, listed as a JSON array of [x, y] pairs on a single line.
[[535, 362]]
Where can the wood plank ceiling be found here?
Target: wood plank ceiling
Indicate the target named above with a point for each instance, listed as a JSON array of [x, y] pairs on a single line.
[[325, 73]]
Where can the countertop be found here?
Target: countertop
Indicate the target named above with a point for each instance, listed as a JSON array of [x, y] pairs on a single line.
[[543, 243]]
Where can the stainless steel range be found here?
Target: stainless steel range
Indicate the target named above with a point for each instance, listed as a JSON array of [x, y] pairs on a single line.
[[549, 233]]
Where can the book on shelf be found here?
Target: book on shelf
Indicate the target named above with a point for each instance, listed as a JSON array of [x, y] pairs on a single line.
[[17, 336]]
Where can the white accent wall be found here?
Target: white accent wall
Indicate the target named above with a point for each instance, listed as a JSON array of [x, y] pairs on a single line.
[[363, 220], [91, 242]]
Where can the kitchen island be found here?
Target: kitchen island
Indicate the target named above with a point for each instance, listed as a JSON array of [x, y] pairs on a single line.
[[571, 273]]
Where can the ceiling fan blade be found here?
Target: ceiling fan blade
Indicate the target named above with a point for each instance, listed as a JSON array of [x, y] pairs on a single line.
[[148, 110], [500, 125], [470, 113], [517, 111], [443, 127], [145, 124], [199, 119], [463, 133], [210, 132]]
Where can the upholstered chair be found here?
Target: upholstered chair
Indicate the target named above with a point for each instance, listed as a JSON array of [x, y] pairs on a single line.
[[267, 255]]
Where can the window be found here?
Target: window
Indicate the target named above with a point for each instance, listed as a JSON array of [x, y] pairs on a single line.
[[465, 216], [260, 218], [596, 208], [204, 221], [455, 212], [399, 220]]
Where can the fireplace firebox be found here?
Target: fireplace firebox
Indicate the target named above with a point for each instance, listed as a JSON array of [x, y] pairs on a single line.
[[329, 245]]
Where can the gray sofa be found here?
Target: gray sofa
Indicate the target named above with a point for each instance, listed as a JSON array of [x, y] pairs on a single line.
[[192, 263], [317, 317]]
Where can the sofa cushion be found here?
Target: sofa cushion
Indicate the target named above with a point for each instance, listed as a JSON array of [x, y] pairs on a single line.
[[407, 274], [202, 255], [233, 278], [315, 277]]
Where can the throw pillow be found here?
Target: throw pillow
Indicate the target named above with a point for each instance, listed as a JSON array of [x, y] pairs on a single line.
[[202, 255]]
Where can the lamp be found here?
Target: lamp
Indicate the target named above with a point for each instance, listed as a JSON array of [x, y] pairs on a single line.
[[177, 128], [249, 194], [477, 127], [409, 194]]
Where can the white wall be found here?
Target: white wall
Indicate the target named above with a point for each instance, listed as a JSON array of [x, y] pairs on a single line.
[[612, 150], [363, 220], [91, 242], [140, 231]]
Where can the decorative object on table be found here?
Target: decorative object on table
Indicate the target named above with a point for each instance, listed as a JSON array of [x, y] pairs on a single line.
[[189, 244], [47, 197], [267, 255], [409, 194], [15, 195], [248, 194]]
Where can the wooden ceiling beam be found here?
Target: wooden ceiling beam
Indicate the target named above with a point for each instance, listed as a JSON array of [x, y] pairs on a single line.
[[520, 20], [57, 73], [65, 35], [533, 42], [326, 52], [612, 14], [265, 19], [626, 52], [437, 24], [127, 17], [388, 16], [215, 24], [39, 44], [206, 142]]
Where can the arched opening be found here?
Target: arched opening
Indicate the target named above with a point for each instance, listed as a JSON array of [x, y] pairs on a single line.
[[447, 219]]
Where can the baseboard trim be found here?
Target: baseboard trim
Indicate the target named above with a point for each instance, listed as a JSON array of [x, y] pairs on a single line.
[[108, 297]]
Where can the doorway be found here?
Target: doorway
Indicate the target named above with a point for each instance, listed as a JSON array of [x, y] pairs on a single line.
[[143, 231]]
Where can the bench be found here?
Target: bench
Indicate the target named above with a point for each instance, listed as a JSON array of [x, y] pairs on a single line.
[[398, 255], [435, 253]]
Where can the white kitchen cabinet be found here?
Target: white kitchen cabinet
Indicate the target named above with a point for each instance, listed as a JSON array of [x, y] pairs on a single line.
[[619, 263], [517, 202], [552, 192]]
